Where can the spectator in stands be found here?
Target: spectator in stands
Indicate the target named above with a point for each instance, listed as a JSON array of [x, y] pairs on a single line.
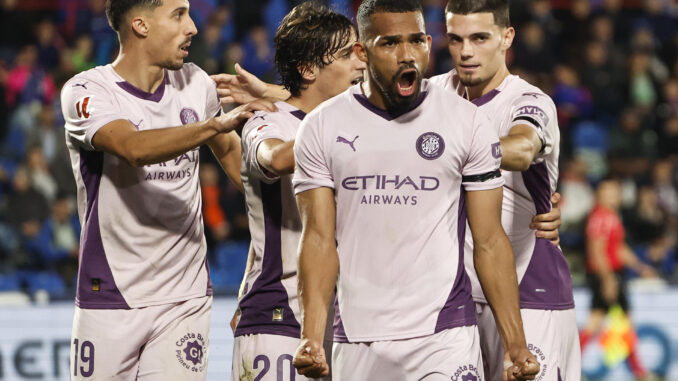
[[58, 241], [668, 142], [82, 54], [571, 98], [25, 209], [533, 52], [218, 228], [26, 82], [607, 255], [41, 178], [603, 77], [631, 146], [660, 254], [645, 221]]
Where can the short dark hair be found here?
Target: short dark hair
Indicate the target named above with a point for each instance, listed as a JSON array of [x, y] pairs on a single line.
[[369, 7], [308, 36], [498, 8], [116, 10]]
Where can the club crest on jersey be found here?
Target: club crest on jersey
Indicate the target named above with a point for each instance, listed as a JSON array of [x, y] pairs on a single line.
[[467, 372], [188, 115], [541, 358], [430, 145], [190, 352], [83, 107]]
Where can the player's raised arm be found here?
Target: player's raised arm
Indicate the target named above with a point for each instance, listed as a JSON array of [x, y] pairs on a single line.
[[493, 258], [139, 148], [519, 148], [244, 87], [318, 268]]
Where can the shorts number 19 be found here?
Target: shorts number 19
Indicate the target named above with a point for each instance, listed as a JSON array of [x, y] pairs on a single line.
[[85, 353]]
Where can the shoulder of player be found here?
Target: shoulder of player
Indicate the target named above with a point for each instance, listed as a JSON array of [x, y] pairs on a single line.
[[187, 72], [520, 88], [86, 82], [264, 119]]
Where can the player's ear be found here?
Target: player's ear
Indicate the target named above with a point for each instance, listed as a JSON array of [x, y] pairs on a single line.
[[360, 51], [140, 26], [507, 38], [308, 72]]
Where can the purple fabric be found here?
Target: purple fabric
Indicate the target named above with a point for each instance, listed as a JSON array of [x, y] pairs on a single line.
[[559, 378], [547, 284], [536, 180], [93, 262], [153, 97], [267, 292], [362, 99], [485, 98], [210, 290], [459, 309], [339, 332], [299, 114]]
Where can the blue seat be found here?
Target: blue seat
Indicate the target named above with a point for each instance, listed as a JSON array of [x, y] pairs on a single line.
[[9, 282], [44, 280]]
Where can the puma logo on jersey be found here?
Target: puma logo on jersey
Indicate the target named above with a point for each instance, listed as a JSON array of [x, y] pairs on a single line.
[[341, 139], [81, 85]]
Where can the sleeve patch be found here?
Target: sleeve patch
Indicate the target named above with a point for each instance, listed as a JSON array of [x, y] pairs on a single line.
[[534, 112], [83, 108]]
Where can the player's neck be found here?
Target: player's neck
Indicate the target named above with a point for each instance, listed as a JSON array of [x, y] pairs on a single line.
[[372, 93], [307, 100], [136, 70], [479, 90]]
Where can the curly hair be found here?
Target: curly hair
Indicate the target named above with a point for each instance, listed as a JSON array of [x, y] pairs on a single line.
[[308, 36]]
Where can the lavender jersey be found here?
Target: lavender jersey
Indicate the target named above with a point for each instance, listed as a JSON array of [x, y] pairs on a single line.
[[543, 273], [269, 304], [142, 240], [401, 219]]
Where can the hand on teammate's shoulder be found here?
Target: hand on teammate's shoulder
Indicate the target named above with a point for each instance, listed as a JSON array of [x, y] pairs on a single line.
[[237, 117]]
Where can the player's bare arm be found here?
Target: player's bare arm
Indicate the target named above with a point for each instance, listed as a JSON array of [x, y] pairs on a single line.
[[244, 87], [318, 269], [226, 148], [139, 148], [519, 148], [494, 263], [276, 156]]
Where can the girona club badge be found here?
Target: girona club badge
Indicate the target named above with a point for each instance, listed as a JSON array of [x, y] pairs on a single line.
[[84, 107]]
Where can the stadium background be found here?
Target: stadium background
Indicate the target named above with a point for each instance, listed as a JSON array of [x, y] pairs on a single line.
[[611, 67]]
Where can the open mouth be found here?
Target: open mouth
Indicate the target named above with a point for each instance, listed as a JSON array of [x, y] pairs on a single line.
[[356, 80], [184, 48], [406, 82]]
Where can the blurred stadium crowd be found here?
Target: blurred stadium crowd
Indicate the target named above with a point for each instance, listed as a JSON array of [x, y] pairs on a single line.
[[611, 67]]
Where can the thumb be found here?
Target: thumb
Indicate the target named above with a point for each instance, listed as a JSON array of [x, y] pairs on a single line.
[[242, 72]]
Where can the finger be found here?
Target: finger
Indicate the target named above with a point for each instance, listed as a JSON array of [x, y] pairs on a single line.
[[302, 361], [242, 72], [551, 216], [555, 199], [545, 226], [226, 100], [225, 92], [222, 79]]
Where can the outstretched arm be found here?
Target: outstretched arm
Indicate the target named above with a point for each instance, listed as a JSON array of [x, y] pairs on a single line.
[[139, 148], [494, 263], [318, 269], [245, 87]]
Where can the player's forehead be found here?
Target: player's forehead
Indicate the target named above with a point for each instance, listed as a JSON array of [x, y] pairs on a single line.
[[472, 23], [172, 5], [396, 24]]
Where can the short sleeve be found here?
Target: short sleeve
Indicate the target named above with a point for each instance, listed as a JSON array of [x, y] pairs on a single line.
[[255, 131], [481, 170], [312, 170], [87, 106], [537, 111], [213, 104]]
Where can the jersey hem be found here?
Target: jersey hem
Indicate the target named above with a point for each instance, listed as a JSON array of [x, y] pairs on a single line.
[[451, 325], [269, 330], [546, 306], [118, 306]]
